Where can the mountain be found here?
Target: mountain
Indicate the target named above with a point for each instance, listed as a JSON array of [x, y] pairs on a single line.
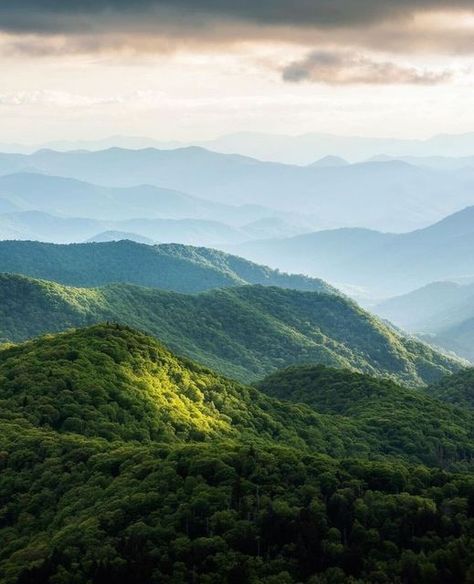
[[39, 226], [304, 148], [329, 161], [69, 197], [458, 336], [242, 332], [434, 162], [168, 266], [384, 264], [430, 308], [374, 403], [124, 463], [107, 236], [455, 389], [389, 195], [287, 149]]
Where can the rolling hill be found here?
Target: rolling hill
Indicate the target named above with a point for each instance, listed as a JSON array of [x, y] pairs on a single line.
[[170, 267], [122, 462], [242, 332]]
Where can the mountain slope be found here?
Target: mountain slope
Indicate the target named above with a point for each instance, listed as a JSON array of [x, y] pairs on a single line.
[[442, 313], [431, 307], [170, 267], [68, 197], [385, 264], [123, 463], [116, 383], [397, 416], [242, 332], [455, 389], [39, 226]]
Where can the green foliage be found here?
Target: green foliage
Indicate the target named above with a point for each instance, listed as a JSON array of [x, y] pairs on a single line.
[[455, 389], [244, 332], [122, 463], [169, 266], [405, 421]]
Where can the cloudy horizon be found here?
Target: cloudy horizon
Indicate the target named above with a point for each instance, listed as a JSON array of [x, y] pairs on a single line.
[[189, 71]]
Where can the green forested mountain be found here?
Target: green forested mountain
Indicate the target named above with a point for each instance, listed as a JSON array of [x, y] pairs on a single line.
[[455, 389], [399, 417], [169, 266], [123, 463], [243, 332]]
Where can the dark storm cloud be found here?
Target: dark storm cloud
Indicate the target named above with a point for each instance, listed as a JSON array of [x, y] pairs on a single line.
[[63, 16], [341, 68]]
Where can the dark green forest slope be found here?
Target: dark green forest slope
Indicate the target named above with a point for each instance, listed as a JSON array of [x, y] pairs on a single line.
[[123, 463], [455, 389], [168, 266], [398, 417], [244, 332]]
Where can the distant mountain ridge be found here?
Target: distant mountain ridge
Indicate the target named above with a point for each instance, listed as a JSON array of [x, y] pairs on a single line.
[[383, 264], [390, 195], [287, 149]]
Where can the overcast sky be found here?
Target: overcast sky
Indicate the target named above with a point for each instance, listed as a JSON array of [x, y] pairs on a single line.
[[195, 69]]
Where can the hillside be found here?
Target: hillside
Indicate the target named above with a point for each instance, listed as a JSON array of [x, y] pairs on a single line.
[[243, 332], [383, 264], [123, 463], [63, 196], [113, 382], [455, 389], [429, 308], [442, 313], [170, 267], [397, 416]]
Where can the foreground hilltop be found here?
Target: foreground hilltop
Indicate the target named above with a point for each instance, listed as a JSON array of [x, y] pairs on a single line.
[[243, 332], [168, 266], [121, 462]]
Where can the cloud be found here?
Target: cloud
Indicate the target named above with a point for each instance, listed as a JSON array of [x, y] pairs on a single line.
[[341, 68], [71, 15], [160, 25]]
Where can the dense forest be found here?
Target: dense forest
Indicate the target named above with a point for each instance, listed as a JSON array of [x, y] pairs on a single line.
[[243, 332], [121, 462], [168, 266]]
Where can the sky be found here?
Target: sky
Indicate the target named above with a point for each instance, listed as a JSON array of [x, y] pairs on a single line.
[[191, 70]]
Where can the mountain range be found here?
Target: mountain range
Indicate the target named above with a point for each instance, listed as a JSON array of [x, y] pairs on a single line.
[[379, 264], [391, 195], [300, 149]]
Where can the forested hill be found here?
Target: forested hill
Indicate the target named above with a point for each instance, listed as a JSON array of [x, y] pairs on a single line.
[[121, 462], [167, 266], [399, 417], [244, 332], [455, 389]]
